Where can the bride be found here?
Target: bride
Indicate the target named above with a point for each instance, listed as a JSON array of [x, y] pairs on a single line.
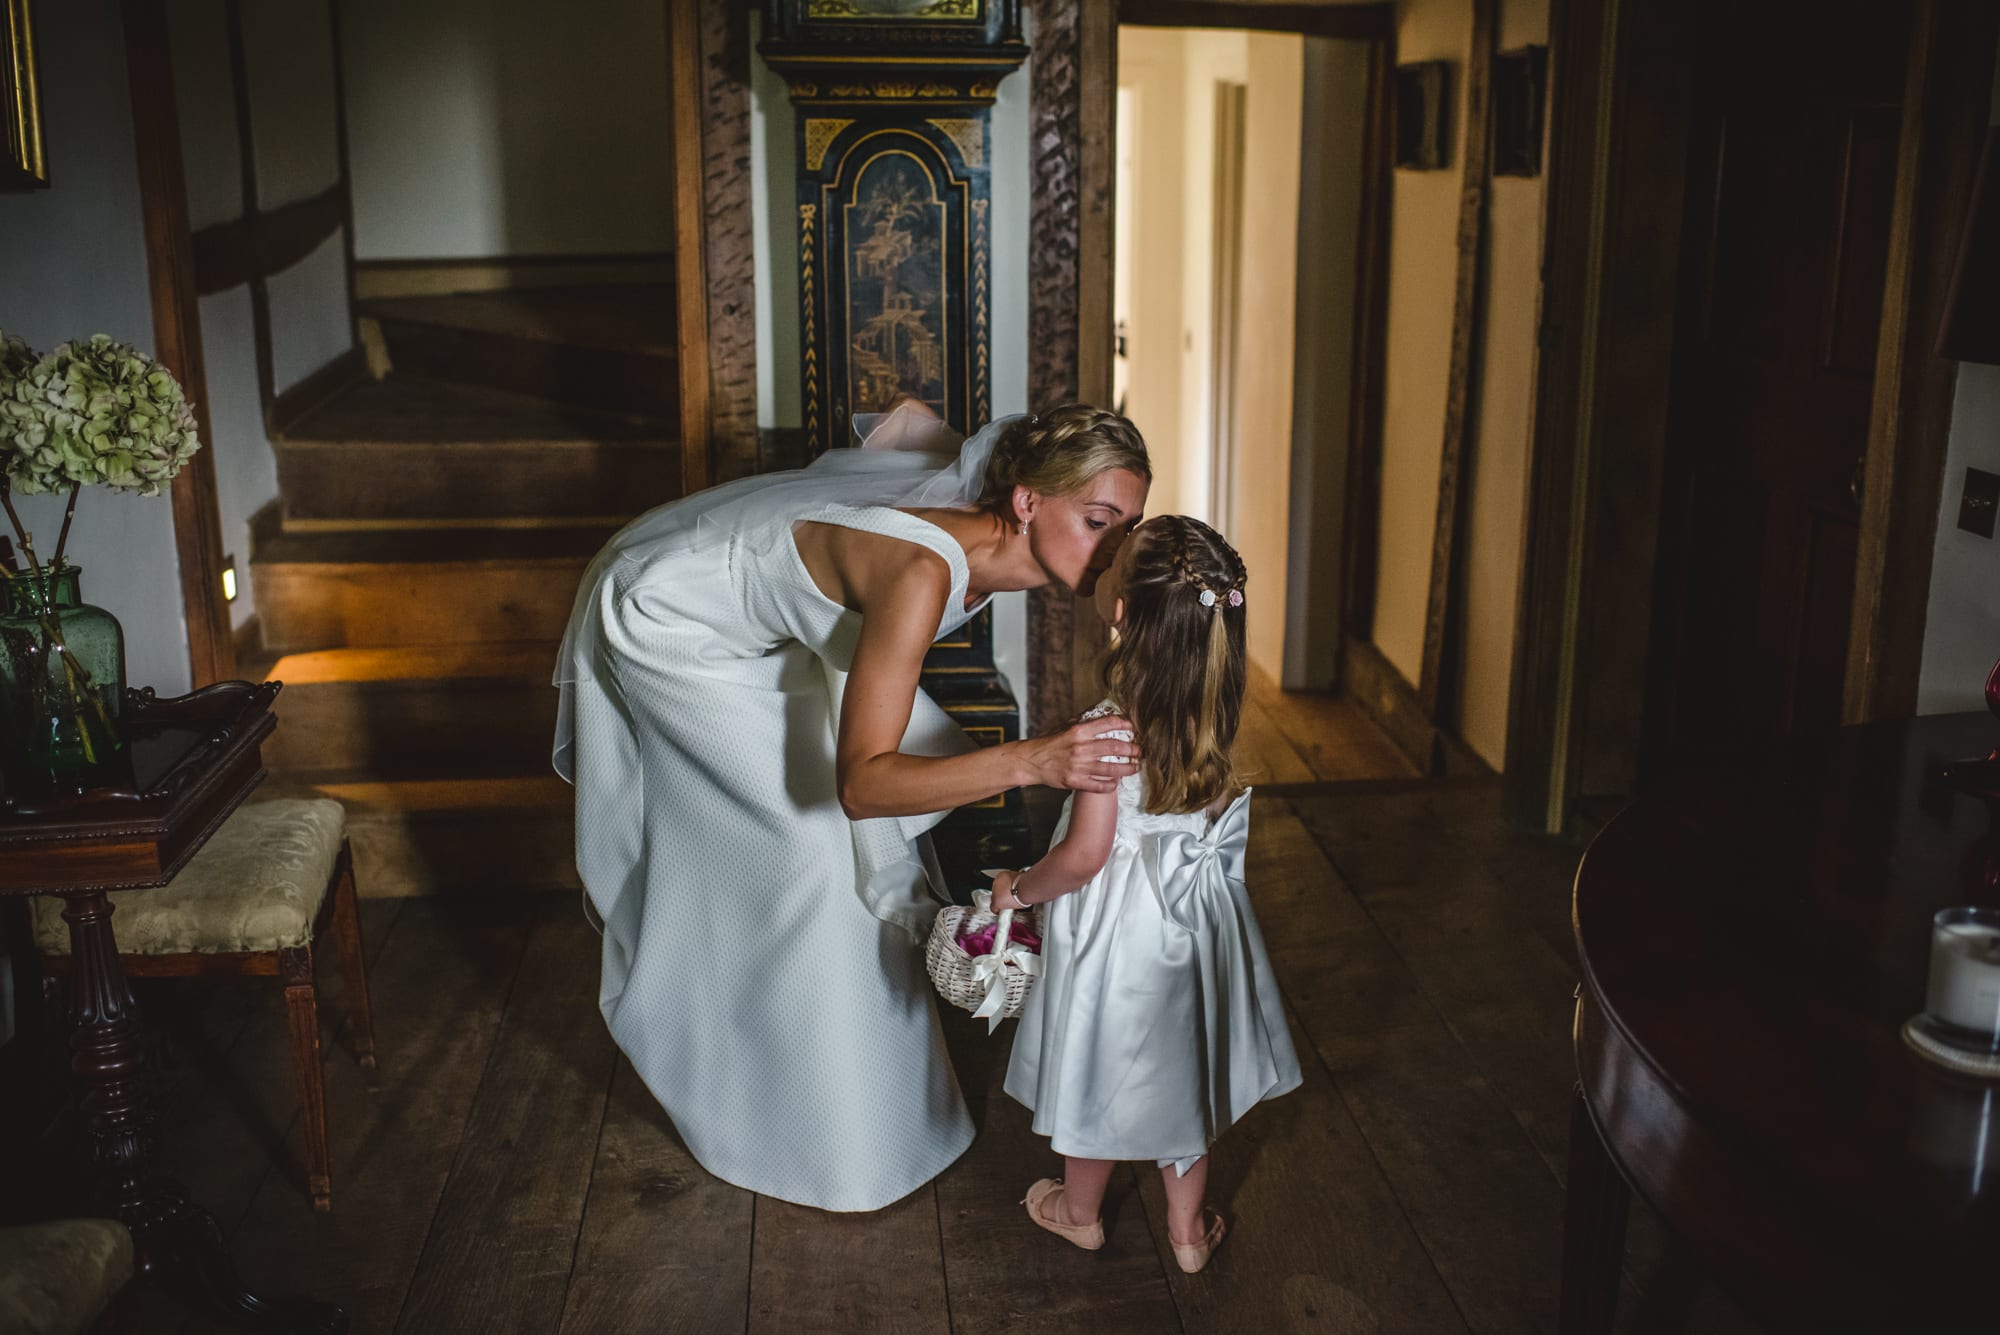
[[756, 768]]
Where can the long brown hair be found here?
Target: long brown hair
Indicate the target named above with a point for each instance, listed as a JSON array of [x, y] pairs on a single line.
[[1177, 668]]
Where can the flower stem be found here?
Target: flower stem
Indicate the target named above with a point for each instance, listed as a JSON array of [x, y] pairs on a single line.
[[69, 514], [21, 532]]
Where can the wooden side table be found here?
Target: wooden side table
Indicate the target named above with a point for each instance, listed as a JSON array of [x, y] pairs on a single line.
[[1751, 944], [194, 759]]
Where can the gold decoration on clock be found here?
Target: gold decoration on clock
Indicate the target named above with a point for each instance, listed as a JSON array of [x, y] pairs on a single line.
[[967, 134], [821, 131], [851, 9], [808, 213]]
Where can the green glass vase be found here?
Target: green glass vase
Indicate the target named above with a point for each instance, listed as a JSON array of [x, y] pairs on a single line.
[[62, 680]]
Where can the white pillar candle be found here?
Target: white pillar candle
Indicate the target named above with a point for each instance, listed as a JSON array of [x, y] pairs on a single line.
[[1965, 971]]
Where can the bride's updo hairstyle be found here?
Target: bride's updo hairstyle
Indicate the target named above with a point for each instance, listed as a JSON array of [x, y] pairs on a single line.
[[1058, 452], [1176, 666]]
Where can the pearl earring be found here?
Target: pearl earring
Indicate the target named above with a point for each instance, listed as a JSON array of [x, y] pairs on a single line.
[[1024, 528]]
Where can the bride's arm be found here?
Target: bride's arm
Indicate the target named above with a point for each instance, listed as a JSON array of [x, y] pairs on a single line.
[[900, 615]]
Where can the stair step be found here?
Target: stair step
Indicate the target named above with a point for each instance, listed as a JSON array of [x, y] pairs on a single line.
[[379, 588], [604, 347], [445, 836], [408, 449], [403, 712]]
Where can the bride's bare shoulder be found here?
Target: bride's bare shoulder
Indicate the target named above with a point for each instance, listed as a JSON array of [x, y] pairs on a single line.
[[860, 569]]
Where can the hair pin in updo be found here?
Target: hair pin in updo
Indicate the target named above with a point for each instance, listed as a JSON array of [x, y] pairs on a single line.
[[1235, 597]]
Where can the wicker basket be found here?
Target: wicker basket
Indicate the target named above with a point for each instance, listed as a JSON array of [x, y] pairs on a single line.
[[969, 981]]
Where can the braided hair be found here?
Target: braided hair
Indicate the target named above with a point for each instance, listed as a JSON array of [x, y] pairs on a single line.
[[1177, 668], [1058, 452]]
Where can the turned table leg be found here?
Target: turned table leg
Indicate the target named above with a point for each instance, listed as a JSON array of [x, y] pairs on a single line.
[[175, 1242], [1595, 1207]]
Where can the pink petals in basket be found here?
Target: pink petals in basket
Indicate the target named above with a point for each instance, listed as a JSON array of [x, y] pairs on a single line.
[[1022, 933]]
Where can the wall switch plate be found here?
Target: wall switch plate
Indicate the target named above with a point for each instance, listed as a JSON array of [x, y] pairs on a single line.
[[1977, 505]]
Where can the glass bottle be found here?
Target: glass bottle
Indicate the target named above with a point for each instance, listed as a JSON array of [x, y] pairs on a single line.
[[62, 681]]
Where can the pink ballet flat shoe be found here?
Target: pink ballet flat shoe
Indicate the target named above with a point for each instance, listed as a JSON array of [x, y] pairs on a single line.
[[1088, 1236], [1192, 1256]]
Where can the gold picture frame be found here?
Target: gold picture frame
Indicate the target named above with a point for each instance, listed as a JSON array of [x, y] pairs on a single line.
[[25, 166]]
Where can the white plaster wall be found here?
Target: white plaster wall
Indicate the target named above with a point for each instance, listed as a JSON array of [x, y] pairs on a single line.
[[773, 202], [1260, 480], [289, 57], [1210, 58], [206, 104], [1422, 284], [1012, 194], [246, 471], [482, 128], [72, 264], [1152, 67], [309, 325], [1499, 447], [294, 111], [1334, 104]]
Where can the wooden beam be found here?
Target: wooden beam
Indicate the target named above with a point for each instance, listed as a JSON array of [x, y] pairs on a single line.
[[690, 224], [246, 149], [1441, 612], [346, 170], [177, 333], [1362, 23], [1946, 93], [1055, 240], [1361, 529], [1538, 786], [728, 241], [1097, 259]]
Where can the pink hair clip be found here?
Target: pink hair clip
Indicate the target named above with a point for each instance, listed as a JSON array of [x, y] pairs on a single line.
[[1236, 597]]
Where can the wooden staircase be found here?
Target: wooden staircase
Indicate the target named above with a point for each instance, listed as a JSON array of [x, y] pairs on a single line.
[[414, 580]]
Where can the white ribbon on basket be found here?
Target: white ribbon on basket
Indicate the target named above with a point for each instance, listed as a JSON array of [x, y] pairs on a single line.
[[990, 970]]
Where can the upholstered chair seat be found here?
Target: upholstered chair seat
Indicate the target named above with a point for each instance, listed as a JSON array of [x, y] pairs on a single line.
[[256, 885], [56, 1278]]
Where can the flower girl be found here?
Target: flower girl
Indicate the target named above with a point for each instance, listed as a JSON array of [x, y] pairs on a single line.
[[1157, 1022]]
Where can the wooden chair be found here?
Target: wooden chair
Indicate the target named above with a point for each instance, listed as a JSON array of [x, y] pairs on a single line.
[[255, 900]]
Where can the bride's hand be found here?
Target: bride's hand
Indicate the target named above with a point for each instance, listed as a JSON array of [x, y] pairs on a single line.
[[1082, 757]]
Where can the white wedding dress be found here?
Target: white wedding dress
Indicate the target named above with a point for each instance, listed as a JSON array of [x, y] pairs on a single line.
[[761, 960], [1157, 1021]]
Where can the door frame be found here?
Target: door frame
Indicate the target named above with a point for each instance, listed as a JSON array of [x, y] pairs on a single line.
[[1070, 327], [1622, 84], [170, 272]]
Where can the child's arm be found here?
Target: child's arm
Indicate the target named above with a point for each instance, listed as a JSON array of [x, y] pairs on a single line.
[[1093, 819]]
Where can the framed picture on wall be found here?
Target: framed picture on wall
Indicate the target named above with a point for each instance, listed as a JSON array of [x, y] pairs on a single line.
[[23, 167], [1423, 111]]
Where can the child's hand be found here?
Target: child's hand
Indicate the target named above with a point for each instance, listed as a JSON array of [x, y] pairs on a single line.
[[1003, 891]]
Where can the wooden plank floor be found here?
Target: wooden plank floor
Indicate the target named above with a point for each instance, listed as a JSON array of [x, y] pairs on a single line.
[[1295, 737], [506, 1171]]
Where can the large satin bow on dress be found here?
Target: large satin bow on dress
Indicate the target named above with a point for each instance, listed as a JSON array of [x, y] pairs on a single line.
[[1190, 870]]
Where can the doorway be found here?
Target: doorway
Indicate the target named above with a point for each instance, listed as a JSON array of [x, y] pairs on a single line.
[[1238, 161]]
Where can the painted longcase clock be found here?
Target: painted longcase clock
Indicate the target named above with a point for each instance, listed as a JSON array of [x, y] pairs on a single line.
[[894, 196], [894, 200]]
